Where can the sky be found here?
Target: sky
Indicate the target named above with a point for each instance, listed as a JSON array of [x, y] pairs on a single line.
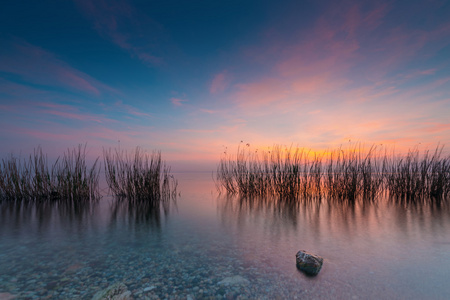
[[193, 79]]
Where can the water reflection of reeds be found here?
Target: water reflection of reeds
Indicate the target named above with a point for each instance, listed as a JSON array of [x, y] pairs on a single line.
[[136, 213], [18, 216], [275, 212], [329, 218], [342, 174]]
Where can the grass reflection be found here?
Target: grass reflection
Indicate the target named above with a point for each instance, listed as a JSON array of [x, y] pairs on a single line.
[[149, 213], [42, 216]]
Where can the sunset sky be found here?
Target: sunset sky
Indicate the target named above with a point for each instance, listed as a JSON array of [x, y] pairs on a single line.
[[191, 78]]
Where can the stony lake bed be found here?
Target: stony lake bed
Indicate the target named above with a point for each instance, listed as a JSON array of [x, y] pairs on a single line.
[[210, 246]]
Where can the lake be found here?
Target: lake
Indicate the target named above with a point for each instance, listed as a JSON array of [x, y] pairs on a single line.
[[210, 246]]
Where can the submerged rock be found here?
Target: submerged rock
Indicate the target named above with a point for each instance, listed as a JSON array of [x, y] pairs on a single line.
[[308, 263], [234, 280], [118, 291], [149, 288]]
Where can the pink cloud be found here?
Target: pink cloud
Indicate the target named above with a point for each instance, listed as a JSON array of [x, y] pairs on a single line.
[[346, 36], [124, 135], [317, 55], [131, 110], [220, 129], [264, 92], [44, 112], [65, 111], [402, 45], [198, 130], [49, 136], [177, 101], [314, 86], [219, 82], [315, 112], [93, 134], [209, 111], [148, 58], [76, 80], [287, 94], [321, 66], [437, 127], [374, 18], [428, 72], [20, 91], [56, 106], [5, 107], [426, 91], [333, 44], [418, 73], [67, 115]]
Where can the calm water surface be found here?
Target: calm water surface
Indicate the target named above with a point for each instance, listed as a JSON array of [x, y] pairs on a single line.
[[371, 251]]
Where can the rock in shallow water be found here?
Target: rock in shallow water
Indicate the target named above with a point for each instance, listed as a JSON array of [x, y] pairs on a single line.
[[116, 291], [308, 263]]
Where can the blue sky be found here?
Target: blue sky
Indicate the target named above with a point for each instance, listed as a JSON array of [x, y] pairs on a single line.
[[190, 78]]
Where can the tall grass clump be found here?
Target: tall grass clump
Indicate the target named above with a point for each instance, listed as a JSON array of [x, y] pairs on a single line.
[[75, 181], [414, 177], [284, 172], [34, 179], [349, 174], [139, 176], [15, 179], [353, 173]]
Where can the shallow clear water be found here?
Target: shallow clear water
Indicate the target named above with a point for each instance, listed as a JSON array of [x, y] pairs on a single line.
[[372, 251]]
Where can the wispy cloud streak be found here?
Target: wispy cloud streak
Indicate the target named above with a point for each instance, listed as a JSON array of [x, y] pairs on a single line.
[[37, 66], [126, 27]]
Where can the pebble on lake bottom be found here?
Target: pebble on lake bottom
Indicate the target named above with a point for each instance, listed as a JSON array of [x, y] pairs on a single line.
[[141, 273]]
